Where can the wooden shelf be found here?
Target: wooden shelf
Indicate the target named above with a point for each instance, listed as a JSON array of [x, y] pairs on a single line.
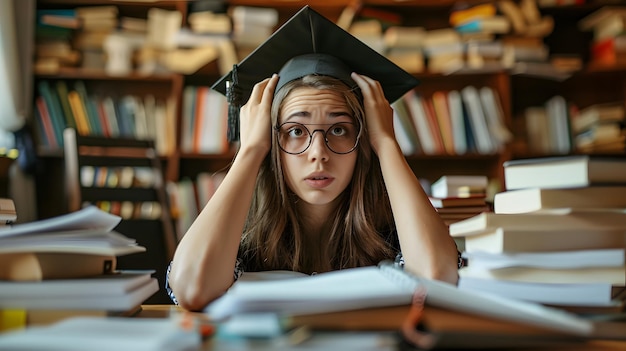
[[85, 74], [516, 92], [158, 3]]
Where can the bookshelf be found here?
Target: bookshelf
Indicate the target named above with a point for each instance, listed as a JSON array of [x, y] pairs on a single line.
[[124, 176], [593, 84]]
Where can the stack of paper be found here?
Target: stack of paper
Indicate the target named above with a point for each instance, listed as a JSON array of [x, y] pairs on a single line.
[[75, 245], [68, 263], [115, 333]]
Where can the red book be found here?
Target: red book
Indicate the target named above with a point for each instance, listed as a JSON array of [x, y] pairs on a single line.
[[434, 125], [46, 121], [102, 117], [609, 51]]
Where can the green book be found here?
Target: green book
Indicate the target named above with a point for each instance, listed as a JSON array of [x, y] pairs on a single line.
[[90, 109], [62, 91]]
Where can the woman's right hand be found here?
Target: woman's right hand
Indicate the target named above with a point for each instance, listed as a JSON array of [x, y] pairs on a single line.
[[255, 120]]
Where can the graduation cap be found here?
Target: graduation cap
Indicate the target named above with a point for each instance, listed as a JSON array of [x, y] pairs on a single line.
[[309, 43]]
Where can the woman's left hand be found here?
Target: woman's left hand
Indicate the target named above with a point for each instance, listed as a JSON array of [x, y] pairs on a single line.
[[378, 111]]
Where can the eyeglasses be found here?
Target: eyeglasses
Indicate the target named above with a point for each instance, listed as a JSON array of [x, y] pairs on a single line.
[[295, 138]]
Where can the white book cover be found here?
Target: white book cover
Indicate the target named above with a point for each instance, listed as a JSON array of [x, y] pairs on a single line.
[[455, 105], [453, 185], [615, 276], [214, 125], [494, 113], [402, 137], [554, 259], [416, 108], [108, 284], [104, 334], [482, 136], [87, 218], [582, 294], [114, 301], [249, 15], [558, 125]]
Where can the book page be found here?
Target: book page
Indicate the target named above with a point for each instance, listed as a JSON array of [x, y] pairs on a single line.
[[87, 218], [341, 290]]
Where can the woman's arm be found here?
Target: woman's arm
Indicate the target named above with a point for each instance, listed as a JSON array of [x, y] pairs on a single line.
[[203, 264], [426, 245]]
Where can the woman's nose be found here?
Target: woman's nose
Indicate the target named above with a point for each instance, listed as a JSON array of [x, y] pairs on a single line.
[[318, 148]]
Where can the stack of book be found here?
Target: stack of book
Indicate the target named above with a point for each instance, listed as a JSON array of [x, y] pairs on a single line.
[[556, 236], [66, 265], [600, 128], [458, 197], [251, 27], [608, 47]]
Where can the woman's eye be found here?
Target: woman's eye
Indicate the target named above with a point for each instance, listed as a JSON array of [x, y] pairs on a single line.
[[295, 132], [338, 130]]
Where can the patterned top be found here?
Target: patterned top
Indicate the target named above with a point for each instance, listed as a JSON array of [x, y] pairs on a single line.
[[239, 266]]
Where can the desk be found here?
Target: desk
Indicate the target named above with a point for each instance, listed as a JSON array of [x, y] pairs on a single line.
[[164, 311]]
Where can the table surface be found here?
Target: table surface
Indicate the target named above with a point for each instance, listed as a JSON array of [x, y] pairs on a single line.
[[164, 311]]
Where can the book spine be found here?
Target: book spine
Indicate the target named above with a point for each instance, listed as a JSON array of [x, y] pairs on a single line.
[[46, 122], [54, 110], [62, 92], [82, 124]]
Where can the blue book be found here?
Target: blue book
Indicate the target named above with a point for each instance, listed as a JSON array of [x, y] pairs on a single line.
[[54, 109], [57, 18], [127, 116], [469, 130]]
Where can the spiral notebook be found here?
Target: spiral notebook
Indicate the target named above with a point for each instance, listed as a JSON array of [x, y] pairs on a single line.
[[381, 286]]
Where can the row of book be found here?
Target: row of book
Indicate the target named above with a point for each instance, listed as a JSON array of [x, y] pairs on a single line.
[[102, 38], [556, 236], [73, 37], [560, 127], [459, 197], [204, 121], [97, 38], [67, 265], [499, 35], [482, 36], [453, 122], [59, 106], [188, 197]]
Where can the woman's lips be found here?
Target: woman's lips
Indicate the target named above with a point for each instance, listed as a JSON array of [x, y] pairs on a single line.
[[319, 182]]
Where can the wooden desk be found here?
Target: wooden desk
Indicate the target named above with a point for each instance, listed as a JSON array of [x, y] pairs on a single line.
[[164, 311]]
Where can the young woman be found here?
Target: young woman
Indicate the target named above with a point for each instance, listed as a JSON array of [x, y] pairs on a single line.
[[319, 183]]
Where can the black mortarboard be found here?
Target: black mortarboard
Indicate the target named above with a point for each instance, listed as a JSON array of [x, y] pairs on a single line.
[[308, 32]]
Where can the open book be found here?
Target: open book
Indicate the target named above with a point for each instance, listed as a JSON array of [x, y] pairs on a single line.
[[382, 286]]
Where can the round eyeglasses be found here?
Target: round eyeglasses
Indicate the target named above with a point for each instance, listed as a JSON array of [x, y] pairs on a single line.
[[295, 138]]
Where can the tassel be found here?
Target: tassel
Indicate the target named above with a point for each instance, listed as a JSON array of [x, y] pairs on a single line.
[[234, 105]]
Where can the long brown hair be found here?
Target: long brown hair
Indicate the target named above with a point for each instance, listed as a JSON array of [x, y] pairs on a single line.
[[273, 237]]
